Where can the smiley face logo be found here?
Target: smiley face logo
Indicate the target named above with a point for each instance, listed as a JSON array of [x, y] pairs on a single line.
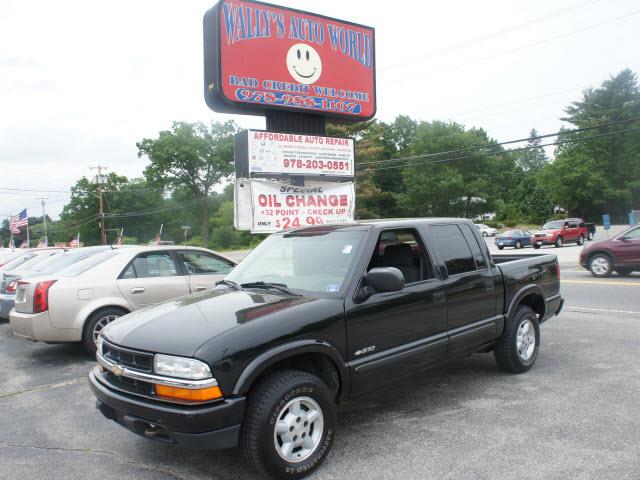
[[304, 63]]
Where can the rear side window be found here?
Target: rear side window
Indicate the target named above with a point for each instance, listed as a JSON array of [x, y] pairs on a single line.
[[481, 264], [152, 264], [200, 263], [453, 248]]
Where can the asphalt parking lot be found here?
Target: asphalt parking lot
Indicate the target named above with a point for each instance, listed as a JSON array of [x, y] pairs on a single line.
[[575, 415]]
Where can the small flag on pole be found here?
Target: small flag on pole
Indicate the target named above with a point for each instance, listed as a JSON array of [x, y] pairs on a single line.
[[17, 221]]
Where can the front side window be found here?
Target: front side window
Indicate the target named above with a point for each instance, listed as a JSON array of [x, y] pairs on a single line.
[[200, 263], [632, 234], [450, 243], [402, 250], [153, 264]]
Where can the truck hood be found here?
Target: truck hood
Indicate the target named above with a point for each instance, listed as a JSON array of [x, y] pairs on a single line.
[[539, 232], [180, 326]]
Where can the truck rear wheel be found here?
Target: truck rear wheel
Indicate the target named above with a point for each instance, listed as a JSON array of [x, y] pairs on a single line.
[[289, 425], [581, 240], [518, 347]]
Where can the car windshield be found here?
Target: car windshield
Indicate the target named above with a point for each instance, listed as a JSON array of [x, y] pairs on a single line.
[[58, 262], [87, 263], [313, 261], [553, 225]]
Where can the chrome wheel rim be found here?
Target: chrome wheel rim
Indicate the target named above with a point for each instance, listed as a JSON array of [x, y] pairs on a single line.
[[101, 323], [298, 430], [600, 265], [518, 244], [526, 339], [559, 241]]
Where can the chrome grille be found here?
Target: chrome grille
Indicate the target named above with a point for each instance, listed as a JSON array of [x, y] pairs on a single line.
[[129, 358]]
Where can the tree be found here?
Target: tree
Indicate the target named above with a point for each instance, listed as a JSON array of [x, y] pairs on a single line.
[[534, 158], [192, 156], [600, 175]]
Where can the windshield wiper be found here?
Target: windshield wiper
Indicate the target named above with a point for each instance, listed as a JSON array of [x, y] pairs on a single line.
[[275, 286], [229, 283]]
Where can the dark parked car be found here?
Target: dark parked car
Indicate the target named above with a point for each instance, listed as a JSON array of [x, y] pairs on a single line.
[[313, 317], [621, 253], [514, 238]]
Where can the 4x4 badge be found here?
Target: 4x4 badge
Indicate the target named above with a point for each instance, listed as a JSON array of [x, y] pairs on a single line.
[[362, 351]]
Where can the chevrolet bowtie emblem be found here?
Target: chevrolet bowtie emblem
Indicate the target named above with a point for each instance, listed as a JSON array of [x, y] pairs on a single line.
[[117, 370]]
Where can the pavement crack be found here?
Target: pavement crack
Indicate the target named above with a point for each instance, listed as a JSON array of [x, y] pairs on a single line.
[[43, 387], [91, 451]]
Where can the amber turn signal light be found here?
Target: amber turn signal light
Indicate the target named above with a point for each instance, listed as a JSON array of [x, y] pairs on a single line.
[[193, 395]]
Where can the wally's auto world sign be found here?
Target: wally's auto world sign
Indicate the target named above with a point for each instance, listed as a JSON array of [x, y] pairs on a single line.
[[260, 153], [276, 206], [260, 56]]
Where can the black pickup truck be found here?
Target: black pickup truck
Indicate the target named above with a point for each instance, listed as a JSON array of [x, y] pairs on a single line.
[[311, 318]]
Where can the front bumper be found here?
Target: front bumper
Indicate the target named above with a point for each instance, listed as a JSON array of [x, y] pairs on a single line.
[[7, 301], [37, 327], [199, 427], [543, 241]]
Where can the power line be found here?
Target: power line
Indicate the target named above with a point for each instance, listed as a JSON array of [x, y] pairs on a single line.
[[560, 142], [496, 144], [491, 35], [517, 49]]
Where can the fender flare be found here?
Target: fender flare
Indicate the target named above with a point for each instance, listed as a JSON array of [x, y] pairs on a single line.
[[281, 352], [523, 292]]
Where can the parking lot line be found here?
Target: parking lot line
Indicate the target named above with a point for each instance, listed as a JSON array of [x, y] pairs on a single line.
[[601, 282], [604, 310]]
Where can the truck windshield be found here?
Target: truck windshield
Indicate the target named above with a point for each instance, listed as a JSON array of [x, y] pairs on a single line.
[[553, 225], [316, 261]]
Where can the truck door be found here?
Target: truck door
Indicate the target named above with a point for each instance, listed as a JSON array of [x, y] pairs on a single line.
[[397, 331], [470, 287], [152, 277]]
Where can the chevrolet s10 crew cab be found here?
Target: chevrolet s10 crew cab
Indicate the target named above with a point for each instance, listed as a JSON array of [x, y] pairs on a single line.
[[311, 318]]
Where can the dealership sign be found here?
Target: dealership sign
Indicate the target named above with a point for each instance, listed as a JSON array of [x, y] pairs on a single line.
[[266, 57], [260, 153], [264, 206]]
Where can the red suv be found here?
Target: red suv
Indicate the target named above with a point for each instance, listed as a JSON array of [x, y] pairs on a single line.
[[559, 232], [621, 253]]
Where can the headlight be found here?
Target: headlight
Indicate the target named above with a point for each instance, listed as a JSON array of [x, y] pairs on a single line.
[[181, 367], [549, 234]]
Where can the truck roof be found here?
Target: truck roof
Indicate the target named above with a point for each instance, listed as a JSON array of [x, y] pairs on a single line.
[[370, 223]]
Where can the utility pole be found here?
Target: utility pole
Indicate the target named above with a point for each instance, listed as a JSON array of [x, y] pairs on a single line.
[[44, 220], [100, 182]]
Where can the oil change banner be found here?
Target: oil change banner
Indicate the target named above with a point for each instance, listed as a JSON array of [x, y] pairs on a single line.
[[278, 206]]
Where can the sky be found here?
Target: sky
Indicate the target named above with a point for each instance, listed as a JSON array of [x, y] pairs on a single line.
[[82, 81]]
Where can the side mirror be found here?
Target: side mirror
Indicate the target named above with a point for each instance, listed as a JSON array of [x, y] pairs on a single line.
[[379, 280], [387, 279]]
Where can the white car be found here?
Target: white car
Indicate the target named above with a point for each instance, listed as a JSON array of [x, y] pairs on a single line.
[[486, 230], [75, 303]]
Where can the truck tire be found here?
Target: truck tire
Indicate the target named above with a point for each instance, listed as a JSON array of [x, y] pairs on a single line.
[[600, 265], [96, 322], [559, 242], [581, 240], [289, 425], [518, 347], [518, 244]]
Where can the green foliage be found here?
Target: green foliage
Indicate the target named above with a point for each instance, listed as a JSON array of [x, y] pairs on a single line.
[[193, 158]]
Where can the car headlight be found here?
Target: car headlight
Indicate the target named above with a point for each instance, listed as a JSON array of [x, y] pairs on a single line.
[[180, 367], [549, 234]]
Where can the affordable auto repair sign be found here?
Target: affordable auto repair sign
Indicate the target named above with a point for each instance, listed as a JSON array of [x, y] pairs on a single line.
[[260, 56], [279, 206]]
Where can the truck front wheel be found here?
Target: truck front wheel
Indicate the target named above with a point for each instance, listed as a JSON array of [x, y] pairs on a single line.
[[518, 347], [289, 425]]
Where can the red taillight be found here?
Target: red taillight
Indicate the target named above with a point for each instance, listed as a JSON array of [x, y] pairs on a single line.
[[11, 286], [41, 296]]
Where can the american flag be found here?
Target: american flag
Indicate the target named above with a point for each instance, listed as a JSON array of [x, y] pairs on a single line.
[[19, 220]]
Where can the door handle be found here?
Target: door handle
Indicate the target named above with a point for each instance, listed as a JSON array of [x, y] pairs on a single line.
[[199, 288], [137, 290]]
